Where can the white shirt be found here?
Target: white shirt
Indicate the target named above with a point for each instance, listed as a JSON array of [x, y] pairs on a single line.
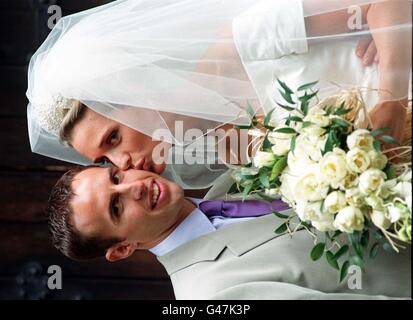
[[196, 224]]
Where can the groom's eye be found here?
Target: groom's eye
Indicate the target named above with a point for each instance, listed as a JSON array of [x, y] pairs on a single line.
[[115, 208]]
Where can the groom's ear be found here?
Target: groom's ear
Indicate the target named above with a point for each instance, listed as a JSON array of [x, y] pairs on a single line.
[[119, 251]]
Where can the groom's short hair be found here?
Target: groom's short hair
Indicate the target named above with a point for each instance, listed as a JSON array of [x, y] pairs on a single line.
[[65, 237]]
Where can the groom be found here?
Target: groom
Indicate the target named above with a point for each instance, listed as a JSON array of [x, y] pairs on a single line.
[[210, 249]]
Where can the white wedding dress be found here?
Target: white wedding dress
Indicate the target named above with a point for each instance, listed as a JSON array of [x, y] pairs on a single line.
[[259, 35]]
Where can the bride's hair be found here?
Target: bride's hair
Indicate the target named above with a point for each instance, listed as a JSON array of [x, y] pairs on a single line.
[[73, 116]]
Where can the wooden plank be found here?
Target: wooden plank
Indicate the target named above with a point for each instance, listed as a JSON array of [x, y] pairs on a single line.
[[88, 289], [22, 243], [14, 101], [15, 146], [24, 195]]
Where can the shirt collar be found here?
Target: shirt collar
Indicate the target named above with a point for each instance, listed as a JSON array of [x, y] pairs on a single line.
[[196, 224]]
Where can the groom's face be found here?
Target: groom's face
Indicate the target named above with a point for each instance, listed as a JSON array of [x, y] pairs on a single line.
[[134, 205]]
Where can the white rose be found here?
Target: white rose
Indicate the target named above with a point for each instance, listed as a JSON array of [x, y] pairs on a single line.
[[351, 100], [361, 139], [387, 188], [357, 160], [288, 182], [271, 192], [333, 166], [325, 225], [349, 181], [371, 180], [355, 198], [264, 159], [281, 142], [397, 211], [406, 176], [375, 202], [377, 159], [309, 210], [310, 186], [313, 129], [349, 219], [335, 201], [379, 219], [403, 189], [318, 118]]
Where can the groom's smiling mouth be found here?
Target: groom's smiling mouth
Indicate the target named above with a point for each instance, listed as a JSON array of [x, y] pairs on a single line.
[[157, 193]]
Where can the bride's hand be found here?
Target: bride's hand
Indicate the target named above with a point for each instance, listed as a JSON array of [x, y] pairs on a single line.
[[366, 50], [393, 115]]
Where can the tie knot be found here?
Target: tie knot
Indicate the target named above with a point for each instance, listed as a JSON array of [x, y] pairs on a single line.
[[241, 209]]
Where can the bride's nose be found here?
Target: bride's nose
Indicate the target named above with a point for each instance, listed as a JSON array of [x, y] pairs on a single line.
[[122, 161]]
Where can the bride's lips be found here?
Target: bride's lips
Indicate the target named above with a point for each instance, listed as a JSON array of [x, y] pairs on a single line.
[[163, 194]]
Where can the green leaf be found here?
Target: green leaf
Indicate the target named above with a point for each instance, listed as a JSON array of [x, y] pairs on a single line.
[[344, 270], [355, 242], [295, 118], [233, 189], [292, 144], [286, 107], [329, 143], [307, 124], [387, 247], [243, 127], [266, 145], [374, 249], [265, 181], [377, 146], [365, 237], [341, 251], [281, 229], [304, 107], [378, 235], [286, 130], [287, 97], [307, 86], [341, 112], [341, 123], [285, 87], [267, 118], [263, 196], [331, 260], [389, 139], [278, 167], [390, 171], [317, 251], [376, 132], [246, 191], [251, 111], [308, 97], [280, 215], [356, 260]]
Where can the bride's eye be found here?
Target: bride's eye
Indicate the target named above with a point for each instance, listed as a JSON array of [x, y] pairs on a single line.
[[113, 137]]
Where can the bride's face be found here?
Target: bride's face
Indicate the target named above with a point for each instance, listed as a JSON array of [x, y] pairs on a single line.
[[104, 140]]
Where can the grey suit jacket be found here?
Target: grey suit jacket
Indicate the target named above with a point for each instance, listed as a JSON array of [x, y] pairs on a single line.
[[249, 261]]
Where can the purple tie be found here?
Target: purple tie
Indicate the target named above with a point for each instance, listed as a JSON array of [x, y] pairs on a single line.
[[241, 209]]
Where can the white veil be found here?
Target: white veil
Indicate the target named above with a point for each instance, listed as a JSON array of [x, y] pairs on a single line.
[[148, 63]]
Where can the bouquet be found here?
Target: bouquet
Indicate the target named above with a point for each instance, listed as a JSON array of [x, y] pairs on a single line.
[[345, 191]]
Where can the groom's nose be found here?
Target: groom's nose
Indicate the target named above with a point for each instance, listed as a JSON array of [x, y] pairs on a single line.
[[135, 190]]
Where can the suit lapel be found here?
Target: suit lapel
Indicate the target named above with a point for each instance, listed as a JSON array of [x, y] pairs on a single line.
[[239, 238]]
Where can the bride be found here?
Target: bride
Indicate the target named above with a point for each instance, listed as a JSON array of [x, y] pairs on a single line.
[[117, 82]]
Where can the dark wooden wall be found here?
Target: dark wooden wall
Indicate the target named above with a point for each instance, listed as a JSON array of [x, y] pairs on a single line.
[[26, 179]]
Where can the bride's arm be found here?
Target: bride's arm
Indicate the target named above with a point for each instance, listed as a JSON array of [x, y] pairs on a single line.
[[394, 51]]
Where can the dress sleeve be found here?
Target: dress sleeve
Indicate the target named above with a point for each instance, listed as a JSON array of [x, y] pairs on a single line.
[[270, 30]]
